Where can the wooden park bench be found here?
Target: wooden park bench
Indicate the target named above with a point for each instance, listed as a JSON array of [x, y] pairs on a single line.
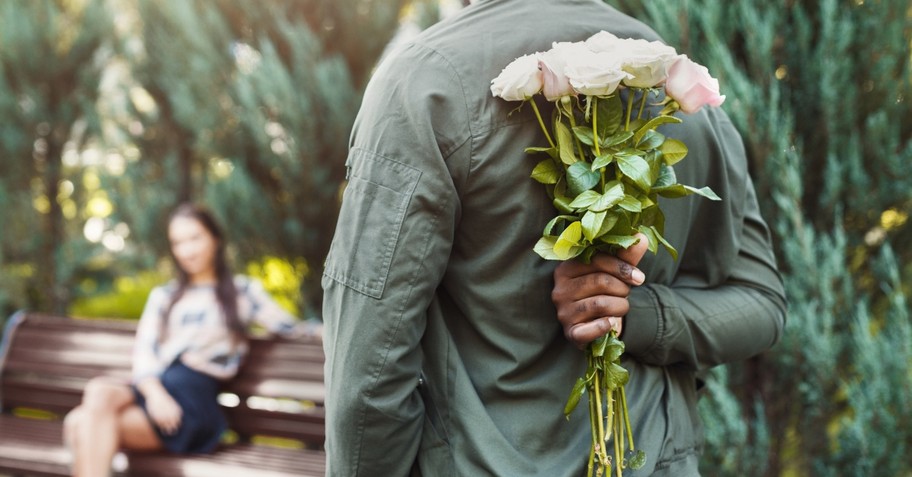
[[274, 406]]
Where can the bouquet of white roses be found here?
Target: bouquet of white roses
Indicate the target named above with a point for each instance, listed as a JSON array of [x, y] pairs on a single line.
[[606, 168]]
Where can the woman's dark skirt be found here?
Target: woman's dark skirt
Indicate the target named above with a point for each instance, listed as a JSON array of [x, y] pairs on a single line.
[[202, 421]]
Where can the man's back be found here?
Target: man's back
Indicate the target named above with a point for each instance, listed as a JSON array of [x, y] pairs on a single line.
[[432, 276]]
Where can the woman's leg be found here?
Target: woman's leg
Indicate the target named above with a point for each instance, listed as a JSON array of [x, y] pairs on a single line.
[[71, 424], [136, 432], [106, 420]]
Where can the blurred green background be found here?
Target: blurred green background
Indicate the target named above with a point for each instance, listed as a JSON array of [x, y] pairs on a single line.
[[114, 111]]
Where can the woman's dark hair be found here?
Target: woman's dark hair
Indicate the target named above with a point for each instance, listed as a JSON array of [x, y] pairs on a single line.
[[225, 291]]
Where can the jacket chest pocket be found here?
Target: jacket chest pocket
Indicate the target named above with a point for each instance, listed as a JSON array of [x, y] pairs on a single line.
[[374, 205]]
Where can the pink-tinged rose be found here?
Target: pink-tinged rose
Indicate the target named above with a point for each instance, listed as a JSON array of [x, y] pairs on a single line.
[[553, 63], [691, 85], [594, 74], [520, 80]]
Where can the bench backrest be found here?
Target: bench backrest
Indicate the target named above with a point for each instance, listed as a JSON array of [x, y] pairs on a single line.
[[45, 362]]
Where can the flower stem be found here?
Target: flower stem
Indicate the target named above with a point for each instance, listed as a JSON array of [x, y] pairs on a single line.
[[629, 107], [579, 145], [595, 135], [627, 418], [618, 451], [642, 102], [598, 410], [541, 122]]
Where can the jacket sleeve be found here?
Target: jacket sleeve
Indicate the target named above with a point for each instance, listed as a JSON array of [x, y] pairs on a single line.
[[388, 254], [726, 302], [264, 310], [148, 332]]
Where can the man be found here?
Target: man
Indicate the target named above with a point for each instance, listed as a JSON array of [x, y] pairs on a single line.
[[444, 354]]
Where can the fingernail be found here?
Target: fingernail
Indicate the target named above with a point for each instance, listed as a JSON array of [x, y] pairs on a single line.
[[637, 276]]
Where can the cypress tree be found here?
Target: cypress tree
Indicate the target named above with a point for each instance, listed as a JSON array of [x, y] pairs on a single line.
[[820, 91], [252, 103], [52, 55]]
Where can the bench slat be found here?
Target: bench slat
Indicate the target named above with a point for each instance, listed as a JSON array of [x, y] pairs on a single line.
[[33, 446]]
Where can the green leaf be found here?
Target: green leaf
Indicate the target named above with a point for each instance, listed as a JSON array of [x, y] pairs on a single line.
[[568, 244], [627, 152], [631, 204], [585, 199], [562, 204], [602, 161], [584, 134], [650, 234], [586, 256], [650, 140], [615, 376], [681, 190], [615, 348], [673, 151], [610, 112], [545, 248], [561, 201], [551, 151], [636, 124], [611, 219], [646, 202], [624, 241], [616, 139], [653, 215], [592, 224], [565, 143], [612, 196], [703, 191], [636, 169], [654, 123], [575, 395], [655, 161], [549, 228], [667, 177], [673, 191], [668, 247], [597, 347], [580, 178], [547, 172], [638, 460]]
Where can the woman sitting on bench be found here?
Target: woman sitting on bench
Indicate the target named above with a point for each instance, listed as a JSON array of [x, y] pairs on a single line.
[[191, 336]]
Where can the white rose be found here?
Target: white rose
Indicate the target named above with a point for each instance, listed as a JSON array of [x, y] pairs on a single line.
[[553, 63], [594, 74], [602, 41], [647, 61], [520, 80]]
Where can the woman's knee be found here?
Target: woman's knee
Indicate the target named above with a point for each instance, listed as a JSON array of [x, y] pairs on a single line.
[[73, 420], [105, 395]]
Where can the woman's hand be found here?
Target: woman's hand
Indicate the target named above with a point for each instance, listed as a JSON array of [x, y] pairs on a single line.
[[306, 329], [591, 299], [164, 411]]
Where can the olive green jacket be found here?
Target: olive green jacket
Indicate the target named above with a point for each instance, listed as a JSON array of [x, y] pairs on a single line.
[[443, 353]]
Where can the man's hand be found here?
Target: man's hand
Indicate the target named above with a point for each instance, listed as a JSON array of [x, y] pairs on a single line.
[[591, 299]]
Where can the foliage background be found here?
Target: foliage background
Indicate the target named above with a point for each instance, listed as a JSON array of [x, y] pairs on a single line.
[[822, 94], [114, 111]]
